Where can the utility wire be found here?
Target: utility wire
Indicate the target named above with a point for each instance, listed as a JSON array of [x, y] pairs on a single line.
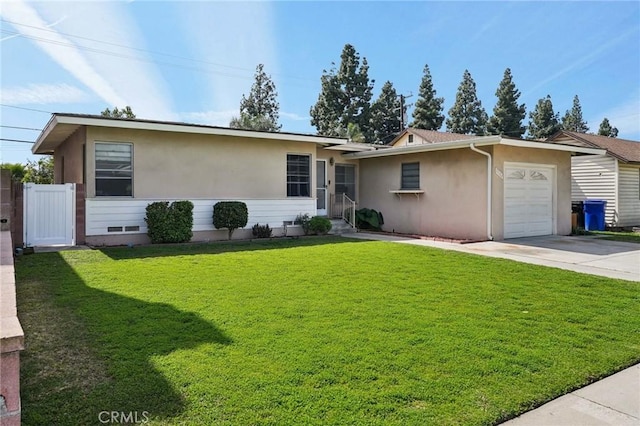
[[95, 50], [26, 109], [20, 128], [16, 140]]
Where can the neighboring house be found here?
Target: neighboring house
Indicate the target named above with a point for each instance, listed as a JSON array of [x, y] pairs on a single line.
[[614, 176], [420, 136], [472, 188]]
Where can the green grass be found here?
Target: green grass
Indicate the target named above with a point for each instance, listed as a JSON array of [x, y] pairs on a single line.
[[311, 331]]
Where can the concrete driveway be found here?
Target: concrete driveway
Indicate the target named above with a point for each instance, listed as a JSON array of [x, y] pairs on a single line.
[[586, 254]]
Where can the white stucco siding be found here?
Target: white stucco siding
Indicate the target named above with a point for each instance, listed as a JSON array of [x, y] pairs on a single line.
[[595, 177], [629, 195], [103, 214]]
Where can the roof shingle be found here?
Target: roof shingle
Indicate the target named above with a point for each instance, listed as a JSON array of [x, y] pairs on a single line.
[[624, 150]]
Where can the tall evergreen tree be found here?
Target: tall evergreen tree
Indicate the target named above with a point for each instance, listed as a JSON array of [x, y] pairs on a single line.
[[260, 110], [385, 114], [345, 97], [507, 114], [428, 111], [572, 119], [543, 122], [607, 130], [467, 116]]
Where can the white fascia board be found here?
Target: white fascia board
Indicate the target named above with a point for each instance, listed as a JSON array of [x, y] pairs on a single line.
[[197, 129], [440, 146], [552, 146], [45, 132]]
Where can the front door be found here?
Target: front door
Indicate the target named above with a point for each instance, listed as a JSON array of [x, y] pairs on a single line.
[[321, 187]]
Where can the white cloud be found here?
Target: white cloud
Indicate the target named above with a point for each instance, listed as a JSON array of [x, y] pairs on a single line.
[[237, 36], [625, 117], [211, 118], [60, 49], [61, 93], [583, 60], [113, 76], [295, 117]]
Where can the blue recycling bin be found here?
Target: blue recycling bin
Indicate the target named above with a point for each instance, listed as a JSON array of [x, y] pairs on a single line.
[[594, 215]]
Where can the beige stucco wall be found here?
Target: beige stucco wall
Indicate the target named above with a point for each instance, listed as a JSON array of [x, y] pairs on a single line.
[[454, 200], [178, 165], [562, 193], [68, 159]]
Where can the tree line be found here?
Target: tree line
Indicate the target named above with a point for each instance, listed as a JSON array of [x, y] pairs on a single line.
[[345, 107]]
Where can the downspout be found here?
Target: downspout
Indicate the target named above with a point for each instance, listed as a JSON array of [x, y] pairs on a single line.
[[489, 182]]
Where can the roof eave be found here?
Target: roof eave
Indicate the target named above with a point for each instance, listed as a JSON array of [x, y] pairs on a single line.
[[45, 138], [440, 146]]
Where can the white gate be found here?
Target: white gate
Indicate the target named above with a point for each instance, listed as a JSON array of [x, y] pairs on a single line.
[[49, 214]]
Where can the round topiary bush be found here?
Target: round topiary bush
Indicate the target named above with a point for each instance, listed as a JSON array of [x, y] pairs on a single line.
[[319, 225]]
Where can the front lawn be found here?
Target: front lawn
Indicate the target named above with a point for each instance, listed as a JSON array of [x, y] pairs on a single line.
[[627, 237], [311, 331]]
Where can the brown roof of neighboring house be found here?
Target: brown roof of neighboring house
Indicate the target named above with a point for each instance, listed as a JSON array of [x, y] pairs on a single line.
[[624, 150], [433, 136]]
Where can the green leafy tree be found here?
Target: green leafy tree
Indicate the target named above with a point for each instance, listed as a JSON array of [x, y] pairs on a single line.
[[428, 110], [345, 97], [507, 114], [543, 122], [17, 170], [40, 171], [125, 112], [607, 130], [385, 113], [467, 116], [572, 119], [260, 110], [353, 133]]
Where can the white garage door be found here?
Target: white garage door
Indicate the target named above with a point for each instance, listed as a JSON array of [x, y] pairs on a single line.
[[528, 200]]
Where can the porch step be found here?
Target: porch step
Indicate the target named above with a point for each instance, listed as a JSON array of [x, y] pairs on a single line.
[[339, 227]]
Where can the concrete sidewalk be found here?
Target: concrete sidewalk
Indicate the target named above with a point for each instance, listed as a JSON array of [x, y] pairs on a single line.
[[614, 400]]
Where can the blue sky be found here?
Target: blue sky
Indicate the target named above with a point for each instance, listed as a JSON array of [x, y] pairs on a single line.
[[193, 61]]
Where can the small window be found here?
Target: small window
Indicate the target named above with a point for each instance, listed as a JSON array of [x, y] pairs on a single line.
[[298, 175], [410, 176], [114, 170], [346, 180], [410, 140]]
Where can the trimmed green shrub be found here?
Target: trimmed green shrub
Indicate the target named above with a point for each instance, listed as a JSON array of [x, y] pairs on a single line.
[[303, 220], [369, 219], [169, 223], [319, 225], [231, 215], [261, 231]]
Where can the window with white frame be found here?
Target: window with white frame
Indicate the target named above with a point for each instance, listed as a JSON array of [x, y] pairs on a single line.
[[298, 175], [114, 169], [410, 176]]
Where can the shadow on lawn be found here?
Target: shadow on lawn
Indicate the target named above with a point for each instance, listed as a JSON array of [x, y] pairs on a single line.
[[217, 247], [122, 336]]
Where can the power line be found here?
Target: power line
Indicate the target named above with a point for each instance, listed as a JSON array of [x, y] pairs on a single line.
[[16, 140], [111, 53], [125, 46], [25, 108], [20, 128]]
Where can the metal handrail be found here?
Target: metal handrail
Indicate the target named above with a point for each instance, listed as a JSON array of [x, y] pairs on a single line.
[[348, 210]]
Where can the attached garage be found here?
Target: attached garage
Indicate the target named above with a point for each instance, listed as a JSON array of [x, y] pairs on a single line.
[[529, 200]]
